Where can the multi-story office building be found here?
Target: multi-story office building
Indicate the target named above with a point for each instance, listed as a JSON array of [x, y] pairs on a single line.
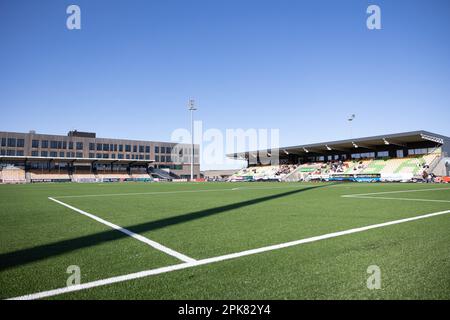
[[80, 148]]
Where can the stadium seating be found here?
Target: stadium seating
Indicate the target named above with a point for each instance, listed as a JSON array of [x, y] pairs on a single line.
[[396, 169], [48, 175], [274, 172], [140, 175], [113, 175], [12, 175], [84, 177], [307, 171]]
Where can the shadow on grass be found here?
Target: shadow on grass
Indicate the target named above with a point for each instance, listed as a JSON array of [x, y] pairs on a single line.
[[24, 256]]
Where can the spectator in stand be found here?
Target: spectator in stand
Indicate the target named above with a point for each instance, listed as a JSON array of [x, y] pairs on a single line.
[[425, 176]]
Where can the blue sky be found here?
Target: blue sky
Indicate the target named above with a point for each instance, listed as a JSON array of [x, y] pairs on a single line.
[[300, 66]]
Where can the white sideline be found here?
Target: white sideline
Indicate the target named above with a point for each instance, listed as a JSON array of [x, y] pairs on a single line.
[[401, 199], [139, 193], [371, 195], [186, 265], [136, 236], [390, 192], [179, 191]]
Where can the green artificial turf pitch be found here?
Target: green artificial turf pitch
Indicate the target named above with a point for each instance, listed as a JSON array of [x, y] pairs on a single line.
[[41, 238]]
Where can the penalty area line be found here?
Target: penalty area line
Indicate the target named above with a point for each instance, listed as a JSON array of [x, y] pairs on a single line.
[[130, 233], [146, 273]]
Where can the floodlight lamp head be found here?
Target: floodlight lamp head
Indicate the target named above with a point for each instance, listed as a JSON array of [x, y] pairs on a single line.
[[192, 105]]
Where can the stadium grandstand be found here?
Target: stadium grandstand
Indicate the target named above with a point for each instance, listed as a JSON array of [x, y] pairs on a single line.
[[82, 157], [402, 157]]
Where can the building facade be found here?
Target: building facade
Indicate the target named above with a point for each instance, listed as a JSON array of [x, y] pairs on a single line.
[[86, 147]]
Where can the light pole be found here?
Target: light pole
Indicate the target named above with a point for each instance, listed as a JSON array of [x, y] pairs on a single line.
[[350, 120], [192, 108]]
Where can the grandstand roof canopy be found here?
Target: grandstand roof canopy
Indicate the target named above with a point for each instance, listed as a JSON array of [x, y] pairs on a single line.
[[75, 160], [366, 144]]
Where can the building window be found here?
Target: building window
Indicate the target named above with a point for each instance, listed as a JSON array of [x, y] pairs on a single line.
[[35, 153], [147, 157], [79, 146], [147, 149], [120, 156], [141, 149], [59, 144], [105, 156], [91, 155], [61, 154], [11, 142], [3, 142], [113, 156], [157, 158], [105, 147], [115, 148], [128, 156], [44, 153], [134, 148], [70, 145], [10, 152], [127, 148], [20, 143], [163, 149], [53, 154], [64, 145], [91, 146], [3, 152], [163, 158], [418, 151], [79, 155], [168, 149], [120, 147], [156, 149], [98, 155], [53, 144]]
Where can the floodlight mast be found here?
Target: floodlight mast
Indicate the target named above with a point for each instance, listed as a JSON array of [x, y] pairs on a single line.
[[350, 120], [192, 108]]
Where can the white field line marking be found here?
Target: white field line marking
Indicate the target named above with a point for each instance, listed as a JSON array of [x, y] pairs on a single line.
[[186, 265], [373, 195], [401, 199], [175, 192], [136, 236], [390, 192]]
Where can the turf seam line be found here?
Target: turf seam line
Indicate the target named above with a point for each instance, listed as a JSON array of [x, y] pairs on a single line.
[[146, 273], [130, 233]]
